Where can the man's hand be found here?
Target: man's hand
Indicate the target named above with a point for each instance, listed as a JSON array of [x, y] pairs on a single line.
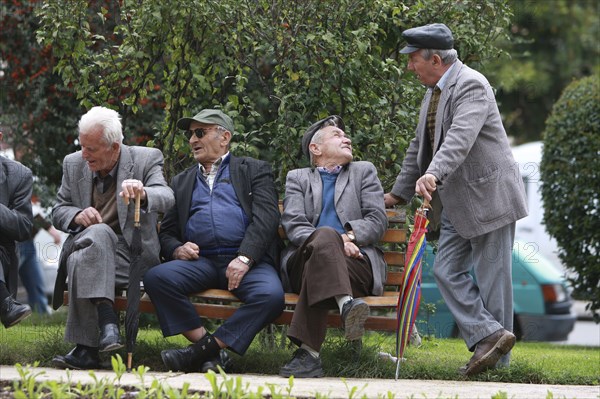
[[390, 200], [236, 270], [130, 187], [352, 250], [426, 185], [88, 217], [55, 234], [188, 251]]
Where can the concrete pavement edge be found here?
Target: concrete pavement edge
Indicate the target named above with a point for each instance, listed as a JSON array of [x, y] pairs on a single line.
[[333, 388]]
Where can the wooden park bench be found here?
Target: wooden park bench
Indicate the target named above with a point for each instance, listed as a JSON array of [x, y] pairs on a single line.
[[221, 304]]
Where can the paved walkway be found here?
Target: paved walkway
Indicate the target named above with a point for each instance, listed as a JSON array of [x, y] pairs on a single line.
[[333, 388]]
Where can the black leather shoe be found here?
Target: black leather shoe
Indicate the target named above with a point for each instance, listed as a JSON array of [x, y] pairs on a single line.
[[354, 314], [80, 358], [110, 339], [12, 312], [302, 365], [488, 351], [222, 360], [191, 358], [181, 359]]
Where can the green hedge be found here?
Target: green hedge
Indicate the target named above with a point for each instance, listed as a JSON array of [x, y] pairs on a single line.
[[570, 170]]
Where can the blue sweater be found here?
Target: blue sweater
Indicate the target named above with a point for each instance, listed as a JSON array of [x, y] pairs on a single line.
[[329, 215], [217, 222]]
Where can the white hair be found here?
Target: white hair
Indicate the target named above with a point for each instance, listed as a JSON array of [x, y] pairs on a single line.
[[447, 56], [107, 119], [317, 139]]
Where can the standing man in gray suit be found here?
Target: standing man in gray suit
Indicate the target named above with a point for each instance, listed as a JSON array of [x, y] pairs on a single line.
[[16, 222], [460, 159], [221, 233], [91, 208], [333, 215]]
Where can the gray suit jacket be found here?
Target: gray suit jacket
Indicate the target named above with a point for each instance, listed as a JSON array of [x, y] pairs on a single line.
[[75, 194], [254, 187], [358, 203], [479, 184], [16, 220]]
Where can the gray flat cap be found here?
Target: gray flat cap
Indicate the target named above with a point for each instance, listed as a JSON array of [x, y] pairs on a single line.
[[433, 36]]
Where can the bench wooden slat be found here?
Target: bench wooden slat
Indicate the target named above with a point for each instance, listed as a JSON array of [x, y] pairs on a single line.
[[394, 279], [389, 298], [393, 258], [394, 236]]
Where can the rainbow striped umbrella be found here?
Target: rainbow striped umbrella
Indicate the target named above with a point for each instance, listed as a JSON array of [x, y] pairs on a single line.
[[410, 291]]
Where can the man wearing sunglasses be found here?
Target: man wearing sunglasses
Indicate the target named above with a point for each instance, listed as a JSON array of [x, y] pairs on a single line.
[[221, 233], [333, 215]]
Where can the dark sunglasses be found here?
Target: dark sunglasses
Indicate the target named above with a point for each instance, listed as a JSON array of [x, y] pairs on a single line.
[[198, 132], [333, 120]]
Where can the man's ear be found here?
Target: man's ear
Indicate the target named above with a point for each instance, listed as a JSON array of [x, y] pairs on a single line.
[[226, 137], [314, 149]]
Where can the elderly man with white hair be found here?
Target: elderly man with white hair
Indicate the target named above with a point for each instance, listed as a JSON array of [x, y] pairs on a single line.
[[90, 208]]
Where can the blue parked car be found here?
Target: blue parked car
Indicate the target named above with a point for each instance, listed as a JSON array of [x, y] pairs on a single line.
[[542, 304]]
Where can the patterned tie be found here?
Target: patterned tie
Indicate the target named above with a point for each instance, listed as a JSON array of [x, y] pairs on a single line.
[[433, 104]]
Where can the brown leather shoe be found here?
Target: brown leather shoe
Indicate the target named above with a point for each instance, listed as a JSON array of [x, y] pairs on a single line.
[[488, 351]]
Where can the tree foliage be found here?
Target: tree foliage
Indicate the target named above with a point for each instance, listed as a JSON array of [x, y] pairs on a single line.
[[570, 170], [275, 66], [36, 108], [551, 43]]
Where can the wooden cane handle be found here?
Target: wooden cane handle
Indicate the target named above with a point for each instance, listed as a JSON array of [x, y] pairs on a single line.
[[136, 215]]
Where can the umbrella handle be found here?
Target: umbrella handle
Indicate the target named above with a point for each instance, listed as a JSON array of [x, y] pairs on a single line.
[[426, 203], [136, 215]]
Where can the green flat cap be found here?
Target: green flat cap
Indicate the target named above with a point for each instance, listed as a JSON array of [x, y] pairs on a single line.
[[210, 117]]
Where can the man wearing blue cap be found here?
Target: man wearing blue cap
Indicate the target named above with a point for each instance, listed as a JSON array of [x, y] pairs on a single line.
[[460, 159], [221, 233]]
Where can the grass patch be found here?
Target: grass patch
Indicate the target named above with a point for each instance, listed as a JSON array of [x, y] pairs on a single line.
[[41, 338]]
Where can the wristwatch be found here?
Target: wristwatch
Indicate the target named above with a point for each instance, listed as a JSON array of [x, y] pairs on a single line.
[[351, 235], [245, 260]]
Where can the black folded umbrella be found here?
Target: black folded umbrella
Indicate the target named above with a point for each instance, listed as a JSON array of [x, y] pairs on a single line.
[[132, 316]]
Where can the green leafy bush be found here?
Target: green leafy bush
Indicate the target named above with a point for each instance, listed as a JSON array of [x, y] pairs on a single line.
[[570, 170], [274, 66]]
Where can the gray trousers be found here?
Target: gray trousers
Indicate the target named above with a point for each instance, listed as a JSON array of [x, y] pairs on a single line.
[[98, 265], [484, 306]]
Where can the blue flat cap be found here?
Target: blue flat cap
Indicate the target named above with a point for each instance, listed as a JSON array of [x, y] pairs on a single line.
[[433, 36]]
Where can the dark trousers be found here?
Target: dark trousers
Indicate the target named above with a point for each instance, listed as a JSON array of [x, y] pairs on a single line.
[[9, 267], [320, 270], [170, 284]]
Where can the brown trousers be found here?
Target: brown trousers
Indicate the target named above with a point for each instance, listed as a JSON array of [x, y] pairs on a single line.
[[320, 270]]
